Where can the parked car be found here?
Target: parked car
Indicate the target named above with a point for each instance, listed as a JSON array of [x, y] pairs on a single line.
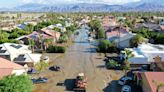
[[124, 80], [55, 68], [39, 80], [126, 88], [61, 83], [32, 71]]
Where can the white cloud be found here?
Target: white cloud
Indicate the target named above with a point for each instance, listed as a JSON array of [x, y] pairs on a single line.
[[78, 1]]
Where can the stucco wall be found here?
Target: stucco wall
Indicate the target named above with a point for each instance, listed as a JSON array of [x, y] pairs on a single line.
[[19, 72]]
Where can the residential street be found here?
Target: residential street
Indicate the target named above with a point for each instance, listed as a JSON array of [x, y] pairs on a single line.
[[80, 57]]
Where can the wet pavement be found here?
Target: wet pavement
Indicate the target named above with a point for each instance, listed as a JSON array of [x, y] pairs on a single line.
[[80, 57]]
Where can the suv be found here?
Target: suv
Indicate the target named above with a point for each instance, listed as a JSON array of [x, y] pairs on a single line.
[[124, 80]]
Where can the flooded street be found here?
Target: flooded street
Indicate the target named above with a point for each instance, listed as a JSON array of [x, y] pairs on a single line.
[[80, 57]]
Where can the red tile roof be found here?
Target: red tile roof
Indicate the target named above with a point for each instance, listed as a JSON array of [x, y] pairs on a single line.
[[153, 77], [116, 32], [35, 35], [5, 72], [4, 63]]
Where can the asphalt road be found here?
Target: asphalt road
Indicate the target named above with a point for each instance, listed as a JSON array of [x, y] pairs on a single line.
[[80, 57]]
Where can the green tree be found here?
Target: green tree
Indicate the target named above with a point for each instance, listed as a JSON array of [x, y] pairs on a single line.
[[94, 25], [126, 64], [29, 28], [104, 45], [4, 37], [57, 29], [72, 28], [63, 38], [136, 40], [41, 66], [13, 83], [47, 42], [159, 39], [101, 33], [112, 64], [32, 44]]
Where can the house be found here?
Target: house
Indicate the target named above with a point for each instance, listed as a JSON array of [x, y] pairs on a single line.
[[51, 33], [7, 68], [149, 81], [60, 26], [121, 36], [36, 36], [45, 33], [145, 53], [151, 26], [19, 53], [109, 21]]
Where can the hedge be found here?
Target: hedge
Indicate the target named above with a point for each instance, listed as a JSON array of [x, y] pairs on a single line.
[[56, 49]]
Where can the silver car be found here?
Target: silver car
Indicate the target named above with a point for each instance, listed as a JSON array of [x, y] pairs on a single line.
[[124, 80]]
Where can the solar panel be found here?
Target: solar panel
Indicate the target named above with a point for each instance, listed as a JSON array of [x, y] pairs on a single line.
[[16, 46], [2, 51], [19, 59], [21, 56]]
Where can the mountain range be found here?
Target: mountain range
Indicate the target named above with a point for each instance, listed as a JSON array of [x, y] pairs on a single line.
[[143, 5]]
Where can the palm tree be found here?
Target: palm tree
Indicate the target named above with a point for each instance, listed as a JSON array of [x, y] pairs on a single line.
[[47, 42], [138, 39], [32, 44], [121, 23], [127, 55]]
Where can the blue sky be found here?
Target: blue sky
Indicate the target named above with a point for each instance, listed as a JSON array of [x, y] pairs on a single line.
[[12, 3]]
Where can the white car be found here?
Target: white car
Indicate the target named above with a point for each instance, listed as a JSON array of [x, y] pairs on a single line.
[[124, 80], [126, 88]]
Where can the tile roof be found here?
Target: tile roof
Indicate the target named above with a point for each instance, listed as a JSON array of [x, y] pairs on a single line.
[[5, 72], [35, 35], [115, 32], [50, 32], [154, 76], [4, 63]]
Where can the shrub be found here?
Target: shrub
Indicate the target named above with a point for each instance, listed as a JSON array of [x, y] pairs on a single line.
[[41, 66], [106, 46], [138, 39], [56, 49], [13, 83], [112, 64]]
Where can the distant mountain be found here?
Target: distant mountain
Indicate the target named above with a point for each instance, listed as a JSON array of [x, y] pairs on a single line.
[[80, 7], [154, 2], [30, 7], [143, 5]]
